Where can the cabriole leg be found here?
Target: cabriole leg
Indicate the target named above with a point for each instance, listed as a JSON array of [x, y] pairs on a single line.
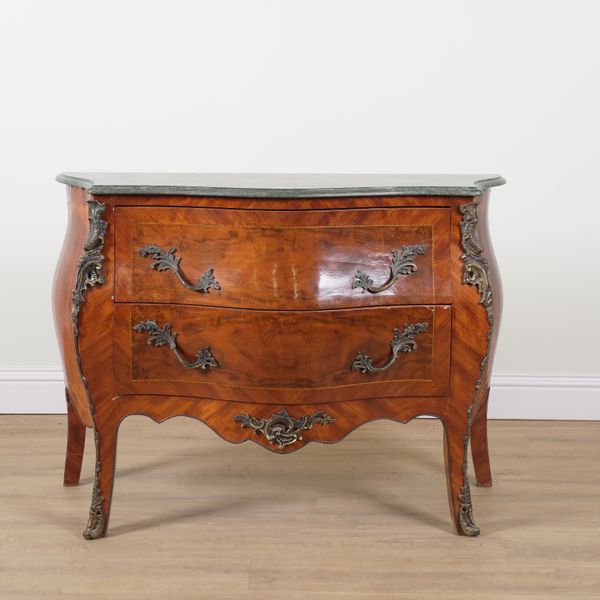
[[75, 445], [106, 446], [459, 492], [479, 446]]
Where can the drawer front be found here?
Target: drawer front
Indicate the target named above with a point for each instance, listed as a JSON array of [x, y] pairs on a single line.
[[291, 260], [282, 357]]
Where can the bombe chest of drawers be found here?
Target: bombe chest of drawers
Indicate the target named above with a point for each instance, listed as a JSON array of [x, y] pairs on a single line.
[[282, 309]]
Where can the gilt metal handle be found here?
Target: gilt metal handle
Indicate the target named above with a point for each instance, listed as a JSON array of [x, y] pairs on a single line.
[[282, 429], [402, 341], [165, 260], [163, 336], [402, 264]]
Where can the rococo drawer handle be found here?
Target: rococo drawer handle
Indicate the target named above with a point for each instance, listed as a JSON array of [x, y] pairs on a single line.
[[281, 428], [162, 336], [165, 260], [402, 264], [402, 341]]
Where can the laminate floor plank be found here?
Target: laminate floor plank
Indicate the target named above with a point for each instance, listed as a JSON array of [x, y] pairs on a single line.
[[195, 517]]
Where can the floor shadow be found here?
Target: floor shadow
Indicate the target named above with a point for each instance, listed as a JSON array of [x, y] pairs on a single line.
[[223, 506], [390, 504]]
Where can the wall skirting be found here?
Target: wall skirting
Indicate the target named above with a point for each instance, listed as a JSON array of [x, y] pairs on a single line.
[[25, 391], [572, 397], [568, 397]]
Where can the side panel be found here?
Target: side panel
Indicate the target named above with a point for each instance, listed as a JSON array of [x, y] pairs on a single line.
[[62, 300]]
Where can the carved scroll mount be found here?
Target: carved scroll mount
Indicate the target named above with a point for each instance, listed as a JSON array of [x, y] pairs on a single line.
[[476, 266], [402, 264], [465, 517], [88, 274], [89, 267], [476, 272], [165, 260], [163, 336], [96, 520], [402, 341], [281, 428]]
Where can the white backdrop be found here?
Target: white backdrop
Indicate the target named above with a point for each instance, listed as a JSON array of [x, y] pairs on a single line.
[[318, 86]]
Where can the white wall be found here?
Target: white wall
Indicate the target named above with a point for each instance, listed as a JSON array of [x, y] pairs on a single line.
[[342, 86]]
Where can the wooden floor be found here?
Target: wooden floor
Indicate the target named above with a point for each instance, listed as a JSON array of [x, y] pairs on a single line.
[[196, 517]]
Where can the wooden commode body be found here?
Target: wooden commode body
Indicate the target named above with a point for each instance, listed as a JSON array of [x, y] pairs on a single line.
[[282, 309]]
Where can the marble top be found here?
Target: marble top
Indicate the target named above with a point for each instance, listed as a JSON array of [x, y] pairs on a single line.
[[280, 185]]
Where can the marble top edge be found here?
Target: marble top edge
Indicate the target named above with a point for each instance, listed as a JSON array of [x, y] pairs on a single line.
[[280, 185]]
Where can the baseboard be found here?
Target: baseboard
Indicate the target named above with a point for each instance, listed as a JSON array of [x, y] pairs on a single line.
[[27, 391], [565, 397], [512, 397]]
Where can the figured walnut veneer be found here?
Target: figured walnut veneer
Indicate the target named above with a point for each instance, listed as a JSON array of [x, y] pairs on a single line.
[[292, 260], [264, 319]]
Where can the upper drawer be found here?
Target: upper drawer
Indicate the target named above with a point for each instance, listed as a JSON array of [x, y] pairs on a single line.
[[283, 259]]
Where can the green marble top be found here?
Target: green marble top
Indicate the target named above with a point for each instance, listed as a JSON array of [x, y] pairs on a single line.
[[280, 185]]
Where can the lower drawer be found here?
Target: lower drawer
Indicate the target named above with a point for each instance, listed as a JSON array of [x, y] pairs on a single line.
[[282, 357]]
